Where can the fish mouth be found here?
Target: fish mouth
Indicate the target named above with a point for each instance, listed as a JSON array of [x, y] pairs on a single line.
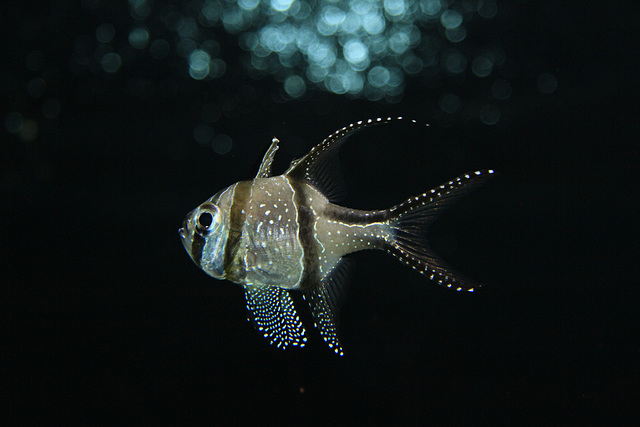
[[185, 240], [182, 231]]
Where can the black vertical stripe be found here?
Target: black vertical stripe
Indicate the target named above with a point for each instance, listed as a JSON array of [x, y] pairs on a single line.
[[233, 265], [197, 246], [310, 249]]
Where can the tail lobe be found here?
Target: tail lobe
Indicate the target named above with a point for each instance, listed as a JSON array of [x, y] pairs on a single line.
[[411, 219]]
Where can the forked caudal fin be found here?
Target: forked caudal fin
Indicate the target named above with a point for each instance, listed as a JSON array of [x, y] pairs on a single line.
[[411, 219]]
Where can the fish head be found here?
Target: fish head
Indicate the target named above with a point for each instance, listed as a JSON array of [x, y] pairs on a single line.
[[204, 234]]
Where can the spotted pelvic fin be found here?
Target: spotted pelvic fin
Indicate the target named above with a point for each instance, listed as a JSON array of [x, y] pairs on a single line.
[[325, 302], [267, 160], [320, 166], [273, 314], [411, 219]]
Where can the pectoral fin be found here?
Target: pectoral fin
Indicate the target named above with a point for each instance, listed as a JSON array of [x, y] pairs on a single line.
[[273, 314]]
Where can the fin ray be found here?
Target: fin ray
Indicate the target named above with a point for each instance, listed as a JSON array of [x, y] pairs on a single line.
[[267, 160], [320, 165], [273, 314], [411, 220], [325, 302]]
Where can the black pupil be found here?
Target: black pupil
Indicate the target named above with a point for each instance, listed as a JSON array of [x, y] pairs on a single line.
[[205, 219]]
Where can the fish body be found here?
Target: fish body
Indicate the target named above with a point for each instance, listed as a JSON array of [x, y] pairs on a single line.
[[276, 234]]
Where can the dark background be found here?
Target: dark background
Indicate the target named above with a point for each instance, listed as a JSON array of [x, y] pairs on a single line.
[[109, 321]]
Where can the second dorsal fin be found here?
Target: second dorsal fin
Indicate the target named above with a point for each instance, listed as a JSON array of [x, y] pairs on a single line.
[[320, 166]]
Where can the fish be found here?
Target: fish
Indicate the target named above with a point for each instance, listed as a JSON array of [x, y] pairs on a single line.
[[275, 235]]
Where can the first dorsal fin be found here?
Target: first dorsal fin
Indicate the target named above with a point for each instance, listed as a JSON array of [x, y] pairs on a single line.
[[267, 160], [319, 166]]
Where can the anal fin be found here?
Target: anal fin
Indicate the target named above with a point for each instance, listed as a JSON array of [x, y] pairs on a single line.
[[326, 300]]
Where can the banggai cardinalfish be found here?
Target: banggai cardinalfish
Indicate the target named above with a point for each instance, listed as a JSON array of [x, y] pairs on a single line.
[[276, 234]]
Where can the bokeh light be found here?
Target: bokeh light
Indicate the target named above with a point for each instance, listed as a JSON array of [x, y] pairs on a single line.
[[367, 49], [222, 144], [361, 48], [489, 114]]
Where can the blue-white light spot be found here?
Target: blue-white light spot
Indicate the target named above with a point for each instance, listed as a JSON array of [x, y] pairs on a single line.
[[373, 23], [337, 83], [412, 64], [111, 62], [217, 68], [187, 27], [199, 64], [451, 19], [379, 76], [317, 73], [140, 9], [481, 66], [248, 5], [323, 55], [399, 42], [395, 7], [302, 11], [294, 86], [356, 82], [455, 62], [212, 11], [356, 53], [331, 20], [488, 9], [363, 48], [306, 38], [333, 15], [203, 133], [233, 20], [489, 114], [456, 35], [139, 38], [281, 5], [431, 7], [352, 23], [395, 81], [274, 39], [222, 144]]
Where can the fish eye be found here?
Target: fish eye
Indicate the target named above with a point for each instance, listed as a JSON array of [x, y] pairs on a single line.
[[205, 219]]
